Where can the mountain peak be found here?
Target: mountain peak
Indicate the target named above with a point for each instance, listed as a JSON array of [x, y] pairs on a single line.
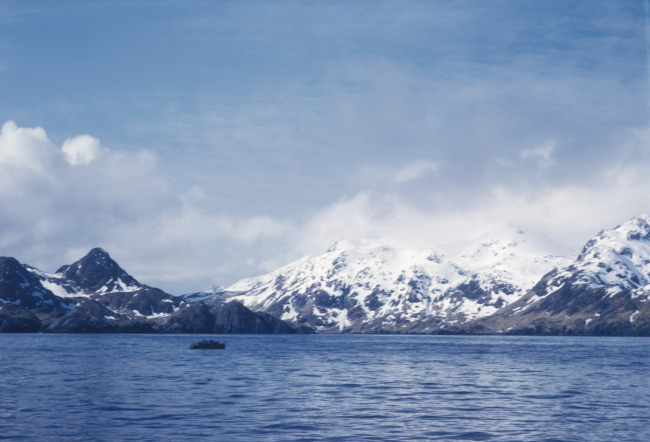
[[633, 233], [341, 245], [618, 257], [98, 252], [214, 289], [636, 229], [97, 272]]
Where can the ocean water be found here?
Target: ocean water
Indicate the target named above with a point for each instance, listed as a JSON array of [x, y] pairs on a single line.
[[324, 388]]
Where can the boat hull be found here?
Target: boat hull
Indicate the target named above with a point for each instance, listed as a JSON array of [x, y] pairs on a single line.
[[209, 345]]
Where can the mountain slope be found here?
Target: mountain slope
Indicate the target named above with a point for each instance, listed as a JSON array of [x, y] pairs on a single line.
[[210, 292], [375, 287], [604, 291], [19, 287], [24, 302]]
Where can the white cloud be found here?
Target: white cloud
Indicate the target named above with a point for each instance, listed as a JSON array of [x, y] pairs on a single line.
[[542, 153], [179, 240], [25, 148], [121, 201], [571, 213], [82, 149], [415, 170], [27, 158]]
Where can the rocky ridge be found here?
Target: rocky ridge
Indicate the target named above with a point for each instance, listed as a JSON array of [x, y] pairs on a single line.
[[95, 294]]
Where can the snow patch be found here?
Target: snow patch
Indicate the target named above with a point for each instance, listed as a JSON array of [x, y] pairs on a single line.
[[158, 315], [58, 290]]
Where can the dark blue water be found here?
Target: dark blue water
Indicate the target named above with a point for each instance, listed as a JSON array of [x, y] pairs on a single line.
[[324, 388]]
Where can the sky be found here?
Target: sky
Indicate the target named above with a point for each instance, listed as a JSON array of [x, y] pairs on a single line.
[[201, 142]]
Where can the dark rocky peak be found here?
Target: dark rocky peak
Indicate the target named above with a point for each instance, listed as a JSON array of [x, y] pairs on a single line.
[[14, 275], [18, 286], [98, 273], [8, 263]]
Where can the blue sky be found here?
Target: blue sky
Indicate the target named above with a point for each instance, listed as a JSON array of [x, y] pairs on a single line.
[[202, 142]]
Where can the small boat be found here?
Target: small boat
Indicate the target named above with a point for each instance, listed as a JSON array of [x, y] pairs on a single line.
[[208, 344]]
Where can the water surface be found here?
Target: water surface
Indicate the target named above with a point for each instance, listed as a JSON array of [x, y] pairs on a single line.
[[101, 387]]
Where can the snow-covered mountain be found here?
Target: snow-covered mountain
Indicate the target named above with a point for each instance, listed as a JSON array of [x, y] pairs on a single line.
[[618, 259], [604, 290], [209, 293], [369, 286], [504, 282], [22, 298]]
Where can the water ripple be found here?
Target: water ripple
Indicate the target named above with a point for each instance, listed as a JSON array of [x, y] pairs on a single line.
[[324, 388]]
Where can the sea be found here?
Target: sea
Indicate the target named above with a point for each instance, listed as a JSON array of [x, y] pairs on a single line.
[[120, 387]]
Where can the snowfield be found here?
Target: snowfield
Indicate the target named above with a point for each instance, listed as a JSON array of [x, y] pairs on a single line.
[[396, 284]]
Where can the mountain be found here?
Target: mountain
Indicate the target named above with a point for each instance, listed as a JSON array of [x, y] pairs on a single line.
[[231, 317], [509, 281], [210, 292], [95, 273], [605, 290], [96, 295], [23, 298], [23, 289], [370, 287], [98, 277]]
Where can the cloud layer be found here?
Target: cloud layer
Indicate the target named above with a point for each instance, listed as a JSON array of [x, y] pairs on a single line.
[[55, 209], [238, 136], [59, 203]]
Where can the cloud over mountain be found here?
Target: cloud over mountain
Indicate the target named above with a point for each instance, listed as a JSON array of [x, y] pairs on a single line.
[[225, 139], [57, 202]]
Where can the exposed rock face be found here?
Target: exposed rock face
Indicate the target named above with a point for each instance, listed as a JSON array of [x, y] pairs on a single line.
[[97, 273], [226, 318], [93, 317], [19, 287], [95, 295], [14, 319]]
